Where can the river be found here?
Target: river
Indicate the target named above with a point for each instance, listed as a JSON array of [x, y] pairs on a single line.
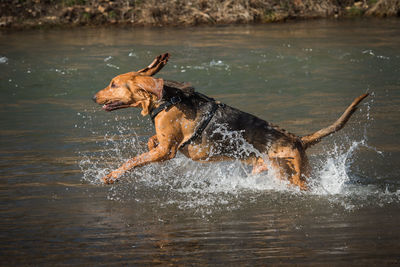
[[56, 144]]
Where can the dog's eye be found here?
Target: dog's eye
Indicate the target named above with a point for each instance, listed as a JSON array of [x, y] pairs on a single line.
[[113, 85]]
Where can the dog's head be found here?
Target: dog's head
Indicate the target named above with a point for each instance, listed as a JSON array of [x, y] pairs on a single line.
[[134, 89]]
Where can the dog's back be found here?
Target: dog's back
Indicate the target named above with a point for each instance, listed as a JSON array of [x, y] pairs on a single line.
[[229, 122], [229, 131]]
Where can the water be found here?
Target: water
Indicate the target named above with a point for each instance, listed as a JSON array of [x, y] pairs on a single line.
[[56, 144]]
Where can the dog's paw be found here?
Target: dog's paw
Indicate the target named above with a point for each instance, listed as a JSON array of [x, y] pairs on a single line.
[[109, 179]]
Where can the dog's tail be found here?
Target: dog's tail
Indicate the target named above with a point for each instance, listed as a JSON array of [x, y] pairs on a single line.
[[314, 138]]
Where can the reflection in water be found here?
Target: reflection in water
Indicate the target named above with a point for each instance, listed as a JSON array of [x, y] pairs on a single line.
[[56, 144]]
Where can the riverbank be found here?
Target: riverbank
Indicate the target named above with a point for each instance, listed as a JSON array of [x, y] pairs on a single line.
[[43, 13]]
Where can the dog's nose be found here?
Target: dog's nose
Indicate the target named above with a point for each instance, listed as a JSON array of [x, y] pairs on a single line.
[[94, 98]]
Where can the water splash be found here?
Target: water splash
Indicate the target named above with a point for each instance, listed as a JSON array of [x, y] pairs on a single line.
[[331, 173], [206, 187], [3, 60], [206, 66]]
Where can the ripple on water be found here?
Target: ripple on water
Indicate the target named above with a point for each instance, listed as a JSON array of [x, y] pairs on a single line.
[[3, 60]]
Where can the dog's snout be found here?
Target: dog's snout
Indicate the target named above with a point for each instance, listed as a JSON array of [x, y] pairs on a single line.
[[94, 98]]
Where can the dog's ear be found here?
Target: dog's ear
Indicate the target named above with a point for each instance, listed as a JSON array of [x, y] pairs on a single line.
[[151, 85], [155, 66], [145, 103]]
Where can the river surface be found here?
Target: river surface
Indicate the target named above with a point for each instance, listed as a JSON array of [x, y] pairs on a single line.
[[56, 144]]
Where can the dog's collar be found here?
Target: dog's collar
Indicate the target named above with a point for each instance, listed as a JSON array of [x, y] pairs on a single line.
[[203, 125], [163, 106]]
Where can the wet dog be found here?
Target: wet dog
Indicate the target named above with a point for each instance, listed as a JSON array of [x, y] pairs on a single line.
[[206, 130]]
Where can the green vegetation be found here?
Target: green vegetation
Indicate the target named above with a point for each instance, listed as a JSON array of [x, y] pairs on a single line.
[[86, 16], [271, 16], [112, 14], [372, 2], [355, 11], [73, 2]]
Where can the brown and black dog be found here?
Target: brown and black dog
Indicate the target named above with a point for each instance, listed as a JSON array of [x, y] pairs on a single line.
[[206, 130]]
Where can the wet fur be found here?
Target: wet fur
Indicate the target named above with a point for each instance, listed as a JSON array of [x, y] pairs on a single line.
[[272, 148]]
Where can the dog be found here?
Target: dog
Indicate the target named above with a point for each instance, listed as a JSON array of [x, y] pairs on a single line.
[[206, 130]]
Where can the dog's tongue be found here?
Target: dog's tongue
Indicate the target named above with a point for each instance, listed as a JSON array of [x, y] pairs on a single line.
[[114, 105], [106, 107]]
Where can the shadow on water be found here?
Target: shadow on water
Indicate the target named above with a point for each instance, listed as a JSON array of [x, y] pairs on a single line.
[[56, 144]]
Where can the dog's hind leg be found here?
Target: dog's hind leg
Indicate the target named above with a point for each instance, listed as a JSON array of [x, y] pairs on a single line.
[[296, 177], [259, 165], [290, 164], [289, 169]]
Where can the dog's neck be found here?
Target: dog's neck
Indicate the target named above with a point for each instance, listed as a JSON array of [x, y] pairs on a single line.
[[162, 105]]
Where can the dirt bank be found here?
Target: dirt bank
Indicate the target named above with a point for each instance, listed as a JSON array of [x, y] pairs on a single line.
[[37, 13]]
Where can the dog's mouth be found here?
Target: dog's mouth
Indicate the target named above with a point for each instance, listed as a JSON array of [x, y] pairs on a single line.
[[115, 105]]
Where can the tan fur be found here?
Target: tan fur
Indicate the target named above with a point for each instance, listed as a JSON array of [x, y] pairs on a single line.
[[314, 138]]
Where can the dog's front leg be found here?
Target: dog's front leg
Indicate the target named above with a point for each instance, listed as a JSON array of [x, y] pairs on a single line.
[[152, 142], [161, 153]]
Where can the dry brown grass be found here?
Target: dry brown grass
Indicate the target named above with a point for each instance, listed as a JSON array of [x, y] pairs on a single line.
[[183, 12], [193, 12], [385, 8]]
